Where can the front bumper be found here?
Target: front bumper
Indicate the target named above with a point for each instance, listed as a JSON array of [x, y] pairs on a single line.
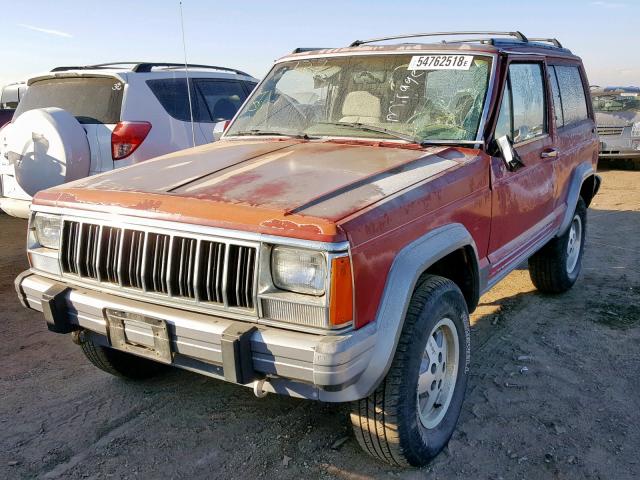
[[292, 363], [632, 154], [15, 207]]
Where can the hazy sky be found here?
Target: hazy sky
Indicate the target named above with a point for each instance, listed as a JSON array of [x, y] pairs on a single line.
[[37, 35]]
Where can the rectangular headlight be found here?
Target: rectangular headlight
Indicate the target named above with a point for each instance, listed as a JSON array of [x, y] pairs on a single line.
[[297, 270], [47, 229]]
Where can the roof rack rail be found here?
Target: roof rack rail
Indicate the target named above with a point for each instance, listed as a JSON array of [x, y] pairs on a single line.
[[93, 67], [145, 67], [519, 35], [554, 41], [62, 69], [307, 49]]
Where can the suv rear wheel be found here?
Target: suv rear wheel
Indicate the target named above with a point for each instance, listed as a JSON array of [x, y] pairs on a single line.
[[115, 362], [411, 416], [555, 267]]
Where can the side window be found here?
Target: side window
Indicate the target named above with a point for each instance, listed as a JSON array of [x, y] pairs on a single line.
[[250, 86], [173, 96], [222, 97], [574, 102], [528, 109], [522, 113], [505, 125], [557, 97]]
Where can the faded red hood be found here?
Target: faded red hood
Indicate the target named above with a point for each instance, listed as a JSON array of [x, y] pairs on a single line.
[[289, 187]]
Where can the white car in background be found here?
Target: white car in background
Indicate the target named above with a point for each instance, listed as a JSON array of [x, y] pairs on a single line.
[[10, 96], [79, 121]]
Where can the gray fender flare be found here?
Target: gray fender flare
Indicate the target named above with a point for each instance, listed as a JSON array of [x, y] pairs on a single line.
[[405, 271], [580, 174]]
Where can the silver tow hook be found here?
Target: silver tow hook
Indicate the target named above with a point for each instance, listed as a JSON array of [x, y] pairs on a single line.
[[258, 388], [78, 337]]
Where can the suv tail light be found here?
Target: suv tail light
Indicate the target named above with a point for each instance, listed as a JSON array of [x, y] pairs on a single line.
[[126, 137]]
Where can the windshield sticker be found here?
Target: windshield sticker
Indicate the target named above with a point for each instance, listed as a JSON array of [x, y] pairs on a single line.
[[440, 62]]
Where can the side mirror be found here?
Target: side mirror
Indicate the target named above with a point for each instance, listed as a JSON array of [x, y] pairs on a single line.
[[508, 153], [219, 128]]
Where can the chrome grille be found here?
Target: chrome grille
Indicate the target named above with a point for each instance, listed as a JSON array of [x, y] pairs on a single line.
[[610, 131], [108, 254], [156, 262], [132, 250], [183, 263], [211, 258], [240, 277], [197, 269]]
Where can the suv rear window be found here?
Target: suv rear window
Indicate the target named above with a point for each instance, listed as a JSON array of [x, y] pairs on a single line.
[[89, 99]]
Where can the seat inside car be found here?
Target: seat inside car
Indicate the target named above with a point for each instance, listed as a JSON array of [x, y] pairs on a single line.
[[362, 107]]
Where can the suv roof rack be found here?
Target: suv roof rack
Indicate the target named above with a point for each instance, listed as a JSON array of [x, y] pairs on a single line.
[[518, 35], [307, 49], [554, 41], [145, 67]]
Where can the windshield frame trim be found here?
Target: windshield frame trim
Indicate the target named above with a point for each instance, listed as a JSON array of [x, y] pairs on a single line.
[[485, 109]]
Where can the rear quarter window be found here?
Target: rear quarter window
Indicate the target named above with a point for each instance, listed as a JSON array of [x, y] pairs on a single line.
[[572, 94], [250, 86], [173, 95], [222, 97], [89, 99]]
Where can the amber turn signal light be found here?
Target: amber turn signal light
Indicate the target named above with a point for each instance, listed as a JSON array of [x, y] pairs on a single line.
[[341, 307]]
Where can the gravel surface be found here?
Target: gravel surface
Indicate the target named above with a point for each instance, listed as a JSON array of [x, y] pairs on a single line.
[[554, 390]]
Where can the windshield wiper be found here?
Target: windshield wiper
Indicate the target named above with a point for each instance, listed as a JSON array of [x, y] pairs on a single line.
[[258, 132], [392, 133], [372, 128]]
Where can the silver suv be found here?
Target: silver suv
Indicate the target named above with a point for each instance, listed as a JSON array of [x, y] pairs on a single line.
[[74, 122], [617, 112]]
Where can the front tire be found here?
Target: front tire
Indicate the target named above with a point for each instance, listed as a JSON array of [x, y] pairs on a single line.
[[117, 363], [556, 266], [412, 414]]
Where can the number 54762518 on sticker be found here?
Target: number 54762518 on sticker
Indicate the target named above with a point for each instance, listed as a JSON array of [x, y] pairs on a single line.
[[440, 62]]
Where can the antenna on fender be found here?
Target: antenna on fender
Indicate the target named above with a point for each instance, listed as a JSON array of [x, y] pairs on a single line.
[[186, 72]]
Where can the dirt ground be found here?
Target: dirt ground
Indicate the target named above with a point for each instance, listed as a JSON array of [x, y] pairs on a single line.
[[554, 390]]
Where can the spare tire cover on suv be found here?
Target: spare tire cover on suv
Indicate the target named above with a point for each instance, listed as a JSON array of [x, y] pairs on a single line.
[[48, 147]]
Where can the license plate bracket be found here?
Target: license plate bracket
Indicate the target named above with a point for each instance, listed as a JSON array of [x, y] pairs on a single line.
[[120, 325]]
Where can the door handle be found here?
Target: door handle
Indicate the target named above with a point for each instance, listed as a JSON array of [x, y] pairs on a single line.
[[549, 153]]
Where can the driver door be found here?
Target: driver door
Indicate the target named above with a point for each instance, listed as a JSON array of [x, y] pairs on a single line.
[[522, 198]]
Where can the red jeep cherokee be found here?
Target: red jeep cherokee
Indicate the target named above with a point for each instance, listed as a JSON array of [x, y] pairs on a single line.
[[332, 245]]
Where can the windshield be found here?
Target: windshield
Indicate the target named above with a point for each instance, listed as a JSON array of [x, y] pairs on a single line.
[[89, 99], [419, 98], [618, 102]]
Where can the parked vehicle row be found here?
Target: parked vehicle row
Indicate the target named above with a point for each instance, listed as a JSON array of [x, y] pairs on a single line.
[[79, 121], [331, 245], [618, 118], [10, 96], [164, 102]]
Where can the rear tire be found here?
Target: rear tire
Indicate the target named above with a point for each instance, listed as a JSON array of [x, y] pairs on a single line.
[[120, 364], [556, 266], [412, 414]]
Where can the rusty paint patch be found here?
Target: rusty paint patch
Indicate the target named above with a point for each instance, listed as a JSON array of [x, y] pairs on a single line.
[[289, 225], [196, 211]]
